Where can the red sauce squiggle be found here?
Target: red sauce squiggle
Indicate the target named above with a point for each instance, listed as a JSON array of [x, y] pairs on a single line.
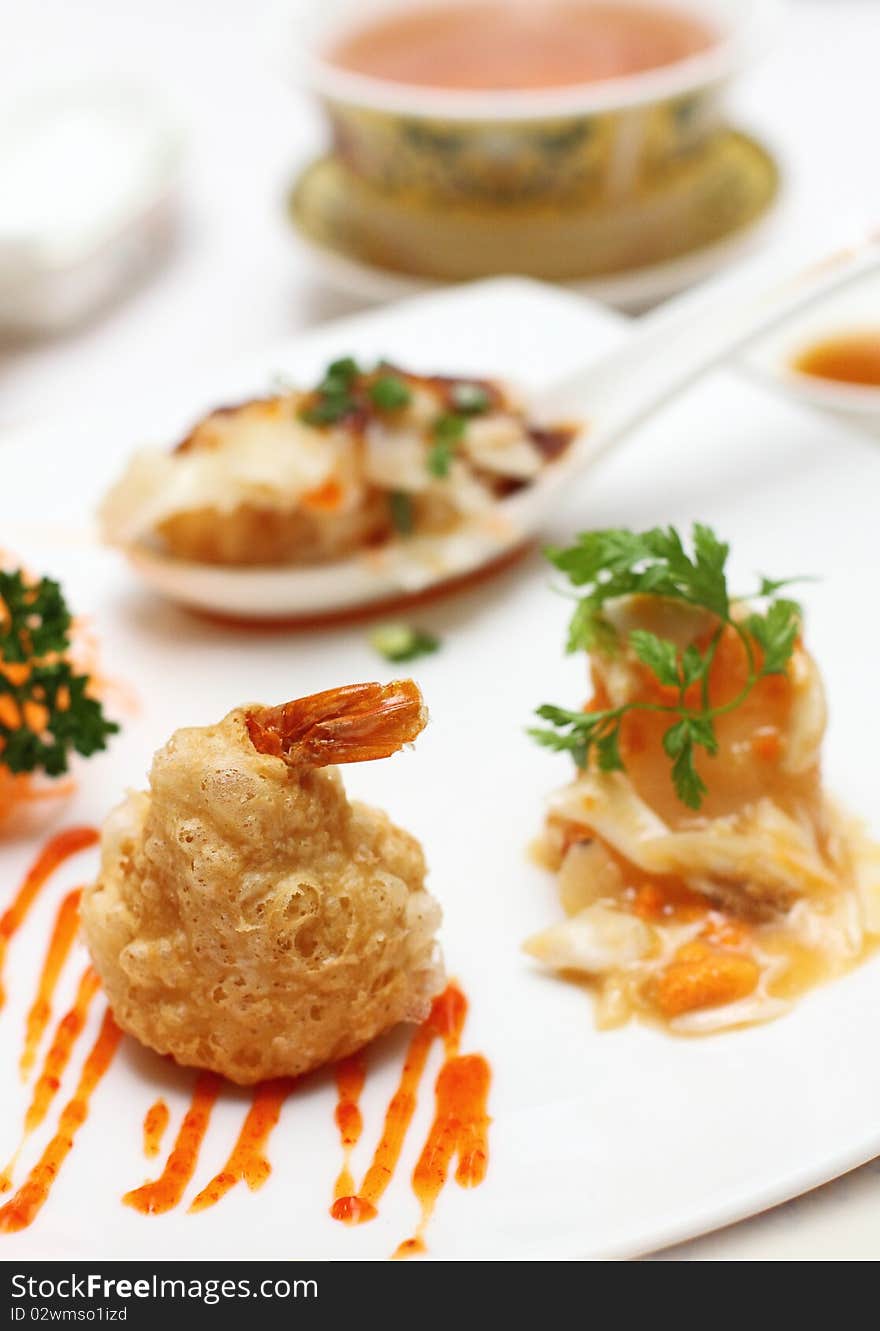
[[248, 1162], [63, 934], [460, 1127], [155, 1123], [362, 1206], [445, 1022], [164, 1193], [351, 1074], [24, 1207], [53, 854], [47, 1085], [58, 1054]]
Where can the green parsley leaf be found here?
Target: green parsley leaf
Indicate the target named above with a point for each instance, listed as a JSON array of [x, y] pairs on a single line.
[[658, 654], [608, 752], [776, 632], [616, 562], [693, 665], [689, 785]]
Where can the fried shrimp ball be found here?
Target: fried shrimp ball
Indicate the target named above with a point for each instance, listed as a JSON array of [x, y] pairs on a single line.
[[247, 917]]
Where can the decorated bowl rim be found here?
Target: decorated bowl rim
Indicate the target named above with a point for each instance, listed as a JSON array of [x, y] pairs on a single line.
[[745, 30]]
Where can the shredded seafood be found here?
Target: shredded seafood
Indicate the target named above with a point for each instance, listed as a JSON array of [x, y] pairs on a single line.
[[719, 917]]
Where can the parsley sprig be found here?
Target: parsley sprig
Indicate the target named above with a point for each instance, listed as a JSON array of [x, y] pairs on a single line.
[[618, 562], [45, 710]]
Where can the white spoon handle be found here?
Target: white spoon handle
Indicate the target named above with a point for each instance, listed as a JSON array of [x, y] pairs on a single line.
[[684, 338]]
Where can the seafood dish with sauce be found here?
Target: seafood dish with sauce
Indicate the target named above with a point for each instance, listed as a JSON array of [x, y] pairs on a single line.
[[706, 875], [366, 460]]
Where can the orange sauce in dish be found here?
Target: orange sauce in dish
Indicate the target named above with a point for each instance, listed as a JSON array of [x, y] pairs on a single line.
[[50, 858], [487, 45], [849, 358]]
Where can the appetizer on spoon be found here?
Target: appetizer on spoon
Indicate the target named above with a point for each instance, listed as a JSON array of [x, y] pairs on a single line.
[[378, 483], [385, 478]]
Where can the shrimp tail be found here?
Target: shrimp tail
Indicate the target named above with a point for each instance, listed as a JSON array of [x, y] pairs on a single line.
[[352, 724]]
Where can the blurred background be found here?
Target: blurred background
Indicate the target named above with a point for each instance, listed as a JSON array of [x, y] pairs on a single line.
[[225, 270]]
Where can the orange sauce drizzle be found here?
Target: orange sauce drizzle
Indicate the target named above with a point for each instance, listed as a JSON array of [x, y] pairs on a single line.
[[459, 1127], [351, 1074], [53, 854], [55, 1063], [23, 1208], [155, 1123], [63, 934], [58, 1054], [356, 1209], [164, 1193], [460, 1124], [248, 1162]]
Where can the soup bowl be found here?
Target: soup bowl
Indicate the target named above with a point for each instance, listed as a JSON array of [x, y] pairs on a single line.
[[597, 140]]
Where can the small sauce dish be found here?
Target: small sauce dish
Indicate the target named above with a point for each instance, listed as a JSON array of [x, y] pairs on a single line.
[[809, 356]]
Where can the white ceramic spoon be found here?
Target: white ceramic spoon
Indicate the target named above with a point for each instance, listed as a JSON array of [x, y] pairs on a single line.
[[666, 352]]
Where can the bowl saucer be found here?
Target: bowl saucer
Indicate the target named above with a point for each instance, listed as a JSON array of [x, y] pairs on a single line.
[[692, 218]]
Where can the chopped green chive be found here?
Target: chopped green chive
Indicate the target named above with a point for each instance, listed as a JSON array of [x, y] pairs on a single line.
[[448, 431], [345, 370], [334, 394], [326, 411], [400, 642], [390, 393], [401, 507]]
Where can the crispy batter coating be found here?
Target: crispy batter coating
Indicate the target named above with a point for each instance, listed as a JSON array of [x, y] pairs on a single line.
[[247, 917]]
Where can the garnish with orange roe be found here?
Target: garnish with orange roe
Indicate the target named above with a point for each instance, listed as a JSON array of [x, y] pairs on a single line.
[[47, 711]]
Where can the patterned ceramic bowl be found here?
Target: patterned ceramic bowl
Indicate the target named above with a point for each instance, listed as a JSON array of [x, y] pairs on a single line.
[[720, 189], [597, 141]]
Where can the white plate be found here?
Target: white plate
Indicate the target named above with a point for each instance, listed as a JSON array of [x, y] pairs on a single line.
[[602, 1144]]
